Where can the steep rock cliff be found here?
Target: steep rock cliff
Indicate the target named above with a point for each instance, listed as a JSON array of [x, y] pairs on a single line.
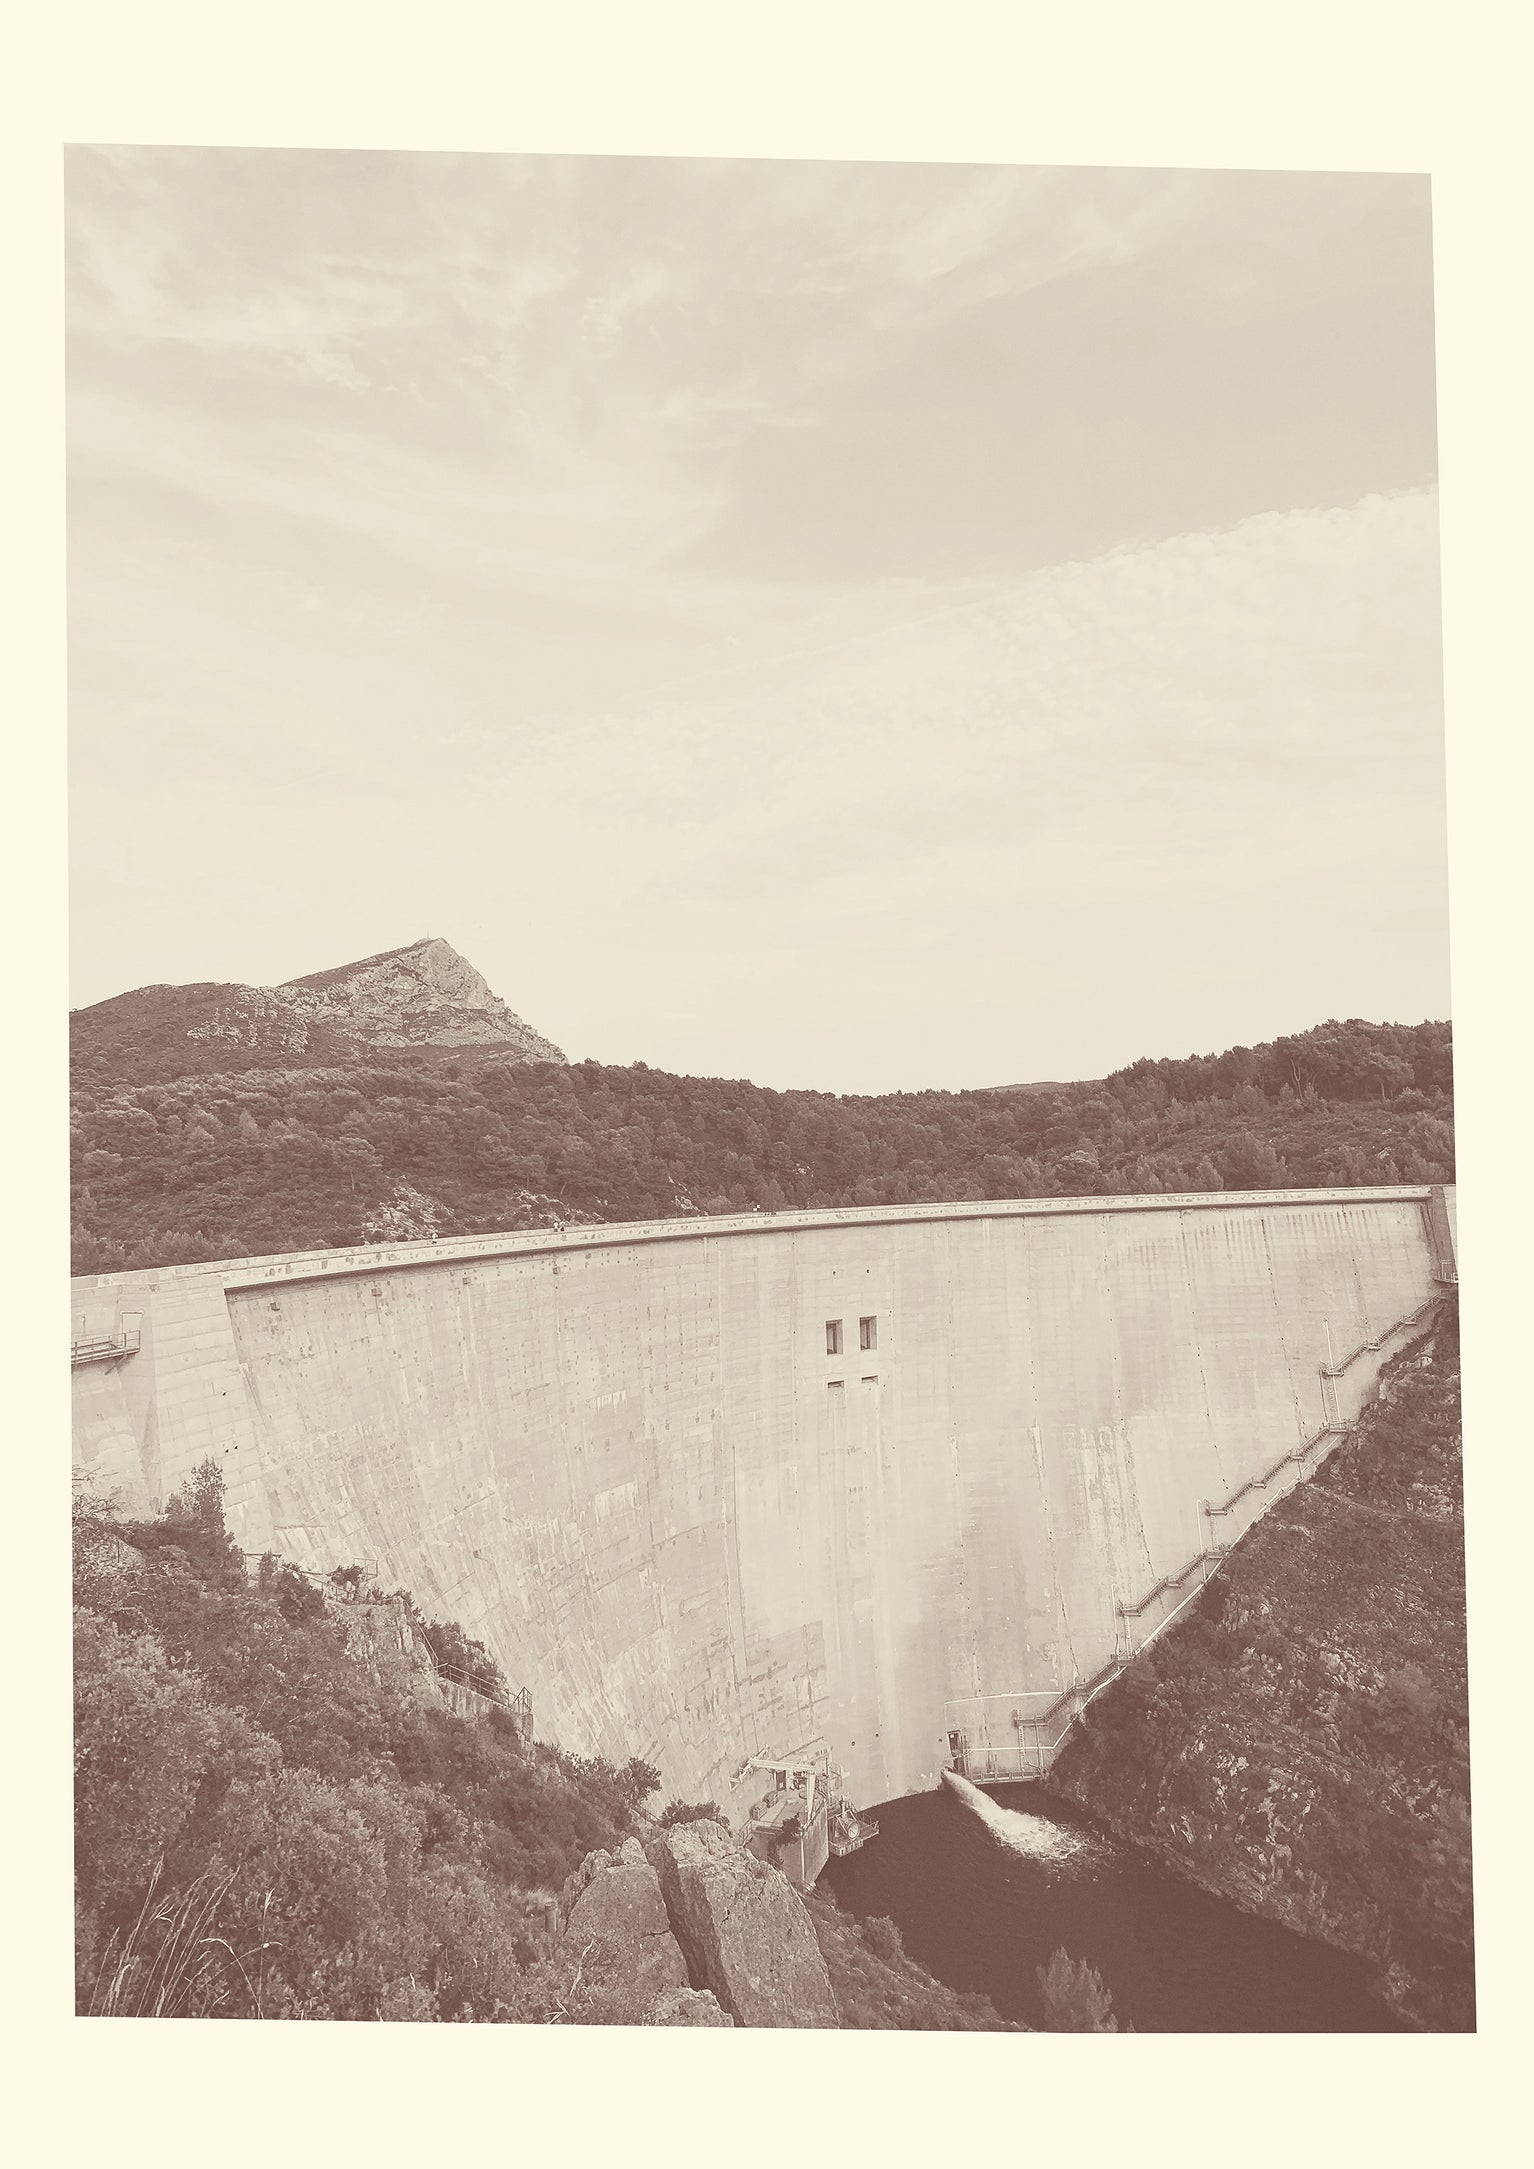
[[1300, 1744]]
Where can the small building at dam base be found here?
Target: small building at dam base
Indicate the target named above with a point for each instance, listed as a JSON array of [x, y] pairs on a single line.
[[909, 1483]]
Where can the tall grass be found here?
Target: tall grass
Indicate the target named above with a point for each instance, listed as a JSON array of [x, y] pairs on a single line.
[[174, 1962]]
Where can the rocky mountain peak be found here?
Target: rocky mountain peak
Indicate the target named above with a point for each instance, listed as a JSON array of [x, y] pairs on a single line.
[[424, 995]]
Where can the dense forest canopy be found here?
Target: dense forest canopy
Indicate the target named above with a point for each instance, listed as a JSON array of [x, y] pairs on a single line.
[[173, 1167]]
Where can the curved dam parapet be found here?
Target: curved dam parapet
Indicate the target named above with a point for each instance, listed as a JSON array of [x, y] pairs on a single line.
[[909, 1482]]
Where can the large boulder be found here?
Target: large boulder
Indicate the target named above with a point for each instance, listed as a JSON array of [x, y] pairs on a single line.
[[742, 1929], [614, 1916]]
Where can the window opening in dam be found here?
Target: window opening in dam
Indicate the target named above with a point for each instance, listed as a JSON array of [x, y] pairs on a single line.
[[868, 1333], [871, 1378], [835, 1385], [833, 1336]]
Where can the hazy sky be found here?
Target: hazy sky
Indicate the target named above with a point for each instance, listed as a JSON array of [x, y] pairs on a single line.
[[860, 626]]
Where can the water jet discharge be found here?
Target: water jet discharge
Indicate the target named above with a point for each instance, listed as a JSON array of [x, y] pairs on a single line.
[[910, 1481]]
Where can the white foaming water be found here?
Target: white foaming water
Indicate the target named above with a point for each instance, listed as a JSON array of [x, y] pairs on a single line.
[[1034, 1836]]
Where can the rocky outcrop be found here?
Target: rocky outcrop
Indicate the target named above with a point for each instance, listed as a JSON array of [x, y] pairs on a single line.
[[408, 1216], [616, 1920], [692, 1931], [252, 1017], [731, 1943], [425, 995], [742, 1930], [380, 1638], [687, 2007]]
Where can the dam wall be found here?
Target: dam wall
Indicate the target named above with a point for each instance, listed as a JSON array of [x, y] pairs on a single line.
[[907, 1481]]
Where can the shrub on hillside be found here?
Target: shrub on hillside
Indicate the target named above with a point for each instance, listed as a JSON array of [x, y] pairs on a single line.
[[243, 1786], [1073, 1996], [878, 1986], [691, 1811]]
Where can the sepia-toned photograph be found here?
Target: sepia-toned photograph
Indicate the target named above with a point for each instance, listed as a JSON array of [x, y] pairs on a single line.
[[764, 1304]]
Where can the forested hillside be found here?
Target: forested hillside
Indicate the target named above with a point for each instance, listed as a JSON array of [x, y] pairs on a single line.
[[243, 1162], [271, 1823]]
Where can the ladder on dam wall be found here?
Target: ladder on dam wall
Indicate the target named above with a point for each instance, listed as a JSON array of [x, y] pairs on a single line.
[[1040, 1737]]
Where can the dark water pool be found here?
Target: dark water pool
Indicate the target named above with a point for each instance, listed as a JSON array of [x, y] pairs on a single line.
[[983, 1897]]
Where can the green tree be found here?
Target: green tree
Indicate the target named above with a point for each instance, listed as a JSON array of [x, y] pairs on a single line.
[[194, 1519], [884, 1938], [637, 1780], [147, 1738], [1074, 1998]]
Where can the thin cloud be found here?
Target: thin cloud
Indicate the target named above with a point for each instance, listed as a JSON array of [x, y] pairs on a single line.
[[737, 568]]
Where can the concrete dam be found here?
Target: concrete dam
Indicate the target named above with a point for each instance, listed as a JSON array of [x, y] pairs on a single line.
[[910, 1482]]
